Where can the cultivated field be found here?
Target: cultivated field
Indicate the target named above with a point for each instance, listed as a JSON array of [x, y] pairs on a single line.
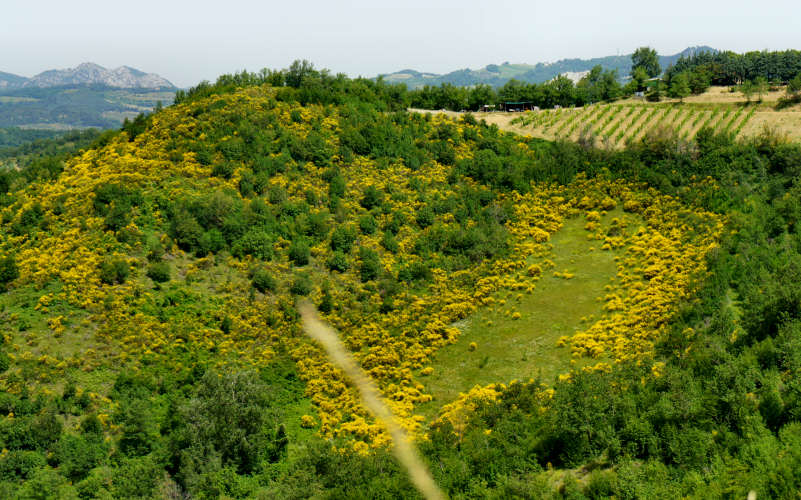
[[630, 119]]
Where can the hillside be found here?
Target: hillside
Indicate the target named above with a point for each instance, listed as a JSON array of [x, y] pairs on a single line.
[[547, 320], [13, 137], [63, 108], [498, 74], [45, 146]]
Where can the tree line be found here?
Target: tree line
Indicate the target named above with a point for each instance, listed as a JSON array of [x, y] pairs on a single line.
[[730, 68], [693, 75]]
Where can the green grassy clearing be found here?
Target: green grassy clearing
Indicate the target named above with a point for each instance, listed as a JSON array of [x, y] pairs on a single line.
[[526, 348]]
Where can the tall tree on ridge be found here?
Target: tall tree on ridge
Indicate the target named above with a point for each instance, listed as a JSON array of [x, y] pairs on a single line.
[[646, 58]]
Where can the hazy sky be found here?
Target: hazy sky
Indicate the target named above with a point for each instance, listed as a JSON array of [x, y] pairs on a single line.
[[188, 41]]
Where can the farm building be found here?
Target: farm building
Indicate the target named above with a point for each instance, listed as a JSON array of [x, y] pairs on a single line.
[[516, 106]]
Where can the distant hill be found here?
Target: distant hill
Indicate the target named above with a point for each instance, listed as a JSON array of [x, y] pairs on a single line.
[[86, 96], [497, 75], [123, 77]]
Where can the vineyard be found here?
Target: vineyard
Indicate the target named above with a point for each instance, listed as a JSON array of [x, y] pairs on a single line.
[[618, 124]]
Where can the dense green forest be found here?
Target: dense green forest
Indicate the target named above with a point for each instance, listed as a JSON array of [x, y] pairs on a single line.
[[12, 137], [153, 348], [730, 68], [46, 147]]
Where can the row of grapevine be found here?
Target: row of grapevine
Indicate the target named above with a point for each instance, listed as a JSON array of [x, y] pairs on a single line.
[[744, 122]]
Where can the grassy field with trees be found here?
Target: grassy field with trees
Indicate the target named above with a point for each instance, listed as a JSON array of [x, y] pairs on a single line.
[[152, 347]]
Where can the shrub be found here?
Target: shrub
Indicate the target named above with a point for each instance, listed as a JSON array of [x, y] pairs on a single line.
[[327, 301], [159, 272], [28, 220], [117, 216], [425, 217], [5, 362], [367, 224], [77, 455], [155, 250], [223, 169], [20, 465], [372, 198], [263, 281], [370, 265], [299, 252], [113, 271], [91, 425], [601, 484], [336, 187], [416, 271], [256, 242], [186, 230], [46, 483], [338, 262], [342, 239], [8, 271], [107, 195], [45, 429], [395, 222], [301, 285], [211, 241], [137, 478], [389, 242]]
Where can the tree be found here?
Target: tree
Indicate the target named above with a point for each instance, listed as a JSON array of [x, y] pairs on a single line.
[[225, 424], [479, 96], [680, 87], [655, 91], [298, 72], [747, 89], [646, 58], [639, 76], [699, 81], [794, 86], [760, 86]]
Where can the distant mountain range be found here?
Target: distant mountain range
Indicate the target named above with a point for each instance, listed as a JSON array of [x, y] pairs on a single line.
[[497, 75], [123, 77]]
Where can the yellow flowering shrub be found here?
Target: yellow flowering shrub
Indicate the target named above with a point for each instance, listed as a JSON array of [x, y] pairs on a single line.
[[137, 322]]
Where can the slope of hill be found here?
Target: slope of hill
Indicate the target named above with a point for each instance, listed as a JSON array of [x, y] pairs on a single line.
[[497, 75], [9, 81], [153, 346]]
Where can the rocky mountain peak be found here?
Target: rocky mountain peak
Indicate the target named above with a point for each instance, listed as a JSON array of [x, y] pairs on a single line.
[[89, 73]]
